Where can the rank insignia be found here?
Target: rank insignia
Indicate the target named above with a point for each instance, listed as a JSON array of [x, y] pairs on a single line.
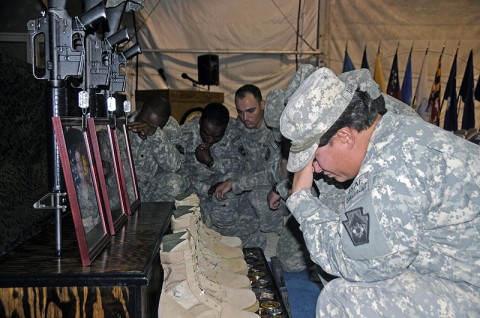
[[357, 226], [267, 154]]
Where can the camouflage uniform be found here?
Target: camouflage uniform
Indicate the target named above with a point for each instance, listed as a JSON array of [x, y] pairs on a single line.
[[228, 154], [405, 237], [304, 71], [332, 191], [262, 153], [291, 250], [172, 130], [157, 162], [227, 160]]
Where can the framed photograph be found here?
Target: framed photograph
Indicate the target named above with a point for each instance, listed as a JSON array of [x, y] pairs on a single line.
[[125, 155], [110, 152], [81, 180], [109, 180], [123, 162]]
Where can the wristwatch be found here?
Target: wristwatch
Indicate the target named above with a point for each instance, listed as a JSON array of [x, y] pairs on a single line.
[[275, 190]]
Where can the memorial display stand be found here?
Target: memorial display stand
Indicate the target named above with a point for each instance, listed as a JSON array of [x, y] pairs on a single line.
[[181, 101], [125, 279], [269, 287]]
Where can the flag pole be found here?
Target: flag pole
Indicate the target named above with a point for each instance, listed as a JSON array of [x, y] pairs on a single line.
[[440, 58], [458, 99], [426, 52], [456, 52], [433, 88], [406, 88]]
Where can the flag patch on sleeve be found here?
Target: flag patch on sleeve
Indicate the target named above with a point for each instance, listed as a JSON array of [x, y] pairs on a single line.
[[357, 226]]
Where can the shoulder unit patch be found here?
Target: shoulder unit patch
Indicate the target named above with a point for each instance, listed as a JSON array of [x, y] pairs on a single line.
[[357, 226]]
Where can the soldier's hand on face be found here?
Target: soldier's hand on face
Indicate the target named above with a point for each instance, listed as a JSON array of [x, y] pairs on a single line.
[[222, 190], [273, 200], [142, 129], [203, 155], [303, 179]]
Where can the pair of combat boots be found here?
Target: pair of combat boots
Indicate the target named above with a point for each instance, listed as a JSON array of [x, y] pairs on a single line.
[[205, 274]]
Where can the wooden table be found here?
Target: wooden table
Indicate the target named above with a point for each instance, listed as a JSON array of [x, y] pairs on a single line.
[[125, 279]]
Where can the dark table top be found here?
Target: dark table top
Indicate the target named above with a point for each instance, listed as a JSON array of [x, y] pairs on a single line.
[[127, 259]]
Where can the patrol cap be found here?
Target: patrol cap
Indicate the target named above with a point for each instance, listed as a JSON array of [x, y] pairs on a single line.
[[311, 111], [273, 109], [304, 71], [363, 79]]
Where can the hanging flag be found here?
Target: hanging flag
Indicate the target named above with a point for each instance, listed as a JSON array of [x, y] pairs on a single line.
[[407, 81], [434, 99], [466, 94], [477, 89], [364, 59], [451, 118], [393, 88], [378, 72], [347, 62], [420, 99]]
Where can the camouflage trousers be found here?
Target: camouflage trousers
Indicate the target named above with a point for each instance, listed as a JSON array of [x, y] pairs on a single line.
[[235, 217], [164, 188], [291, 250], [407, 295], [270, 221]]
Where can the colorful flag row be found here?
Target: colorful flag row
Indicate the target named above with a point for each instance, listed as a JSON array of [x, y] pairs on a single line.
[[426, 101]]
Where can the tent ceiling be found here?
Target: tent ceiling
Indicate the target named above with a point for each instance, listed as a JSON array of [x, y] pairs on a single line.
[[256, 40]]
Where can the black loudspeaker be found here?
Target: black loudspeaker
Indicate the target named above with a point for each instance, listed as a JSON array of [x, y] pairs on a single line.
[[208, 69]]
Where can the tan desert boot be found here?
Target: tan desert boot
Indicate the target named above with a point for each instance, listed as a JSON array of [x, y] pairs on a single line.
[[214, 246], [219, 276], [243, 298], [173, 254], [187, 199], [187, 299], [200, 286], [177, 272], [193, 221], [178, 301]]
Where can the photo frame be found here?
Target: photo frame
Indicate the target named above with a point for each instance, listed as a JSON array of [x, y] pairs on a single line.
[[81, 181], [126, 158], [107, 138], [109, 180], [123, 162]]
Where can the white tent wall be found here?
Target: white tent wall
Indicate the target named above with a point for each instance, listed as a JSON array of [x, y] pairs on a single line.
[[250, 37], [256, 40], [421, 23]]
